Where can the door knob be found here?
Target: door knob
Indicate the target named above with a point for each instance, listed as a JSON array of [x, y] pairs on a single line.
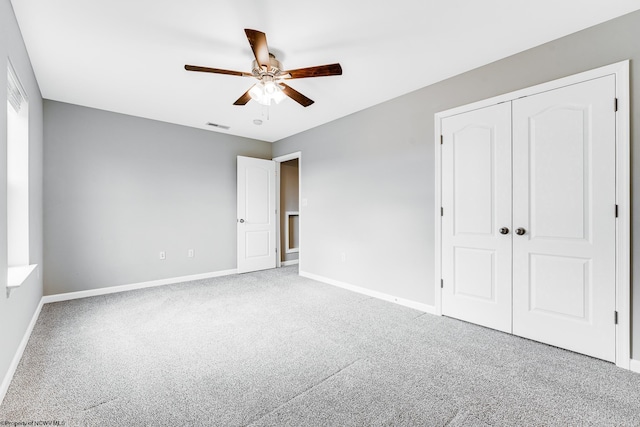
[[504, 230], [241, 221], [520, 231]]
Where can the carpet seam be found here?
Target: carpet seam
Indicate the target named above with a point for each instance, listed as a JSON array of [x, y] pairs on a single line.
[[99, 404], [305, 391]]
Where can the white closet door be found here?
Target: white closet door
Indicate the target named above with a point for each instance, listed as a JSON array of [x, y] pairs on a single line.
[[476, 189], [564, 200]]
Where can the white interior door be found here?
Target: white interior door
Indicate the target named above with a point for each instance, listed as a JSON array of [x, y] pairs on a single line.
[[564, 201], [476, 200], [257, 214]]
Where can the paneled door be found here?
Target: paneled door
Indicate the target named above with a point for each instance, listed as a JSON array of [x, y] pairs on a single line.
[[547, 273], [256, 223], [564, 249], [476, 221]]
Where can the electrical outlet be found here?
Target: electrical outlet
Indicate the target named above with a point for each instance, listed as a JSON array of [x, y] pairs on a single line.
[[343, 257], [190, 253], [163, 255]]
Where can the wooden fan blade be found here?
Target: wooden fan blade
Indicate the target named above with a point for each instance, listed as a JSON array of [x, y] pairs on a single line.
[[296, 96], [319, 71], [216, 71], [243, 99], [258, 41]]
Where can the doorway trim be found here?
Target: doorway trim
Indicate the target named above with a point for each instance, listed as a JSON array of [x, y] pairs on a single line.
[[623, 190], [279, 160]]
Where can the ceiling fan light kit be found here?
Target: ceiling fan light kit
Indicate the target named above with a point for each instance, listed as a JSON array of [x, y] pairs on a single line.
[[267, 91], [271, 74]]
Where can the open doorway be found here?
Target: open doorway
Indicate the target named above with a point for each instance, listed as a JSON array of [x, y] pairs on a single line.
[[288, 184]]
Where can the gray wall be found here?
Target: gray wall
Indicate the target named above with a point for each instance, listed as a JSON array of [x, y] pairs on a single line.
[[289, 186], [369, 191], [378, 166], [16, 312], [120, 189]]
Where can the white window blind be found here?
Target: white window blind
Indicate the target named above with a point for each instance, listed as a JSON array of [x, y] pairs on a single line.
[[15, 93], [17, 171]]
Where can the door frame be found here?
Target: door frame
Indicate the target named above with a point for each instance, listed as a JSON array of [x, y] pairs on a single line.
[[623, 190], [279, 160]]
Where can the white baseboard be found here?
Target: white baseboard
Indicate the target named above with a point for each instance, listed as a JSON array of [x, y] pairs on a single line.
[[288, 263], [634, 365], [123, 288], [380, 295], [4, 387]]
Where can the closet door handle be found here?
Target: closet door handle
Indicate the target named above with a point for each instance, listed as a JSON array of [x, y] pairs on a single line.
[[504, 230], [520, 231]]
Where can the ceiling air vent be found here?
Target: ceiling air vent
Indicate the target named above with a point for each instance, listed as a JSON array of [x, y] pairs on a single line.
[[216, 125]]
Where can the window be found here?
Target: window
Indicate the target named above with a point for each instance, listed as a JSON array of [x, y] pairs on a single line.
[[17, 180]]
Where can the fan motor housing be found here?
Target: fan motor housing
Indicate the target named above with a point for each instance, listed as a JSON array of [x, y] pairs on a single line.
[[276, 67]]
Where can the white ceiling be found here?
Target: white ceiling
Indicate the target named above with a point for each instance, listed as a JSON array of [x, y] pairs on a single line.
[[128, 56]]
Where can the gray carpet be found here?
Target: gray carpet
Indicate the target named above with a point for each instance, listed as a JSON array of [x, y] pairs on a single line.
[[274, 349]]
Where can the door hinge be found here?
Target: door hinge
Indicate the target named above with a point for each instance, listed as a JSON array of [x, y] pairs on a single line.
[[615, 317], [616, 211], [441, 139], [441, 283], [615, 104], [441, 211]]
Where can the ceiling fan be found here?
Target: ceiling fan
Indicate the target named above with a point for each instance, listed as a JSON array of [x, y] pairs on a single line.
[[271, 75]]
